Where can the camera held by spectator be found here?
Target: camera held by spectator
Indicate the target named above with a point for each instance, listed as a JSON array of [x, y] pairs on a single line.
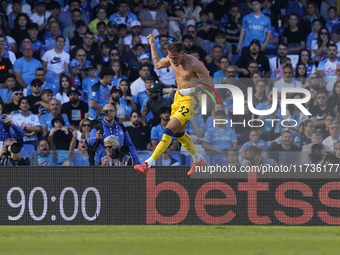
[[10, 154], [116, 155], [331, 157]]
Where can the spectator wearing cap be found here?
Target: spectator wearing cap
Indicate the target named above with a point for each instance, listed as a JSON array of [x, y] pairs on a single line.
[[46, 119], [99, 94], [75, 109], [24, 67], [79, 34], [29, 122], [41, 15], [101, 17], [154, 103], [50, 42], [149, 20], [56, 61], [124, 15], [65, 19], [90, 80], [17, 94], [73, 72], [135, 30], [143, 59], [255, 26], [93, 54], [274, 39], [35, 92], [254, 54], [37, 45], [62, 137], [68, 31], [110, 7], [316, 26], [115, 95], [40, 74], [112, 38]]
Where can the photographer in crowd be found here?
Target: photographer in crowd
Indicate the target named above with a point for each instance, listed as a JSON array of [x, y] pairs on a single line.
[[109, 126], [116, 155], [7, 128], [331, 157], [10, 154]]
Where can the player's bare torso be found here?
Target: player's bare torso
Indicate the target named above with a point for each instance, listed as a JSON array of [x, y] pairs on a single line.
[[186, 71]]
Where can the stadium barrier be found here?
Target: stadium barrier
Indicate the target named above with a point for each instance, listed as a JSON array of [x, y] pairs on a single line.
[[121, 196]]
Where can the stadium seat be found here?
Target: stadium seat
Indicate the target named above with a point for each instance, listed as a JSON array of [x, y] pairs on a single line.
[[29, 147], [27, 150], [188, 159], [177, 156], [221, 159], [142, 156]]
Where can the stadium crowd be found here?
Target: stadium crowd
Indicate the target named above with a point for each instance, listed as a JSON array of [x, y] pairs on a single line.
[[73, 71]]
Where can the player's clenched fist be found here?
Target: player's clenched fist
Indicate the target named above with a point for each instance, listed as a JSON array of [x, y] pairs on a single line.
[[151, 38]]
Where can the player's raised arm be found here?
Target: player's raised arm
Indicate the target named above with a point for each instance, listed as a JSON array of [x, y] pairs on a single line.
[[158, 62]]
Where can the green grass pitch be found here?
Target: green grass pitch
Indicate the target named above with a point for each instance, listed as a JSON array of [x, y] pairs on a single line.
[[172, 240]]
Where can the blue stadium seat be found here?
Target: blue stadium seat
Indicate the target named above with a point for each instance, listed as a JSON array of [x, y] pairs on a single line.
[[142, 156], [177, 156], [188, 159], [221, 159], [27, 150], [29, 147]]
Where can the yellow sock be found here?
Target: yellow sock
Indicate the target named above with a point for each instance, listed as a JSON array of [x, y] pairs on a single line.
[[163, 144], [187, 143]]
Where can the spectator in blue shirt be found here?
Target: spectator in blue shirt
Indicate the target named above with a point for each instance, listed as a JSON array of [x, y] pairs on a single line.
[[316, 26], [78, 157], [333, 18], [24, 67], [255, 26], [158, 130], [50, 41], [46, 157], [220, 138], [6, 94], [46, 119], [99, 94], [298, 7], [123, 16], [274, 40]]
